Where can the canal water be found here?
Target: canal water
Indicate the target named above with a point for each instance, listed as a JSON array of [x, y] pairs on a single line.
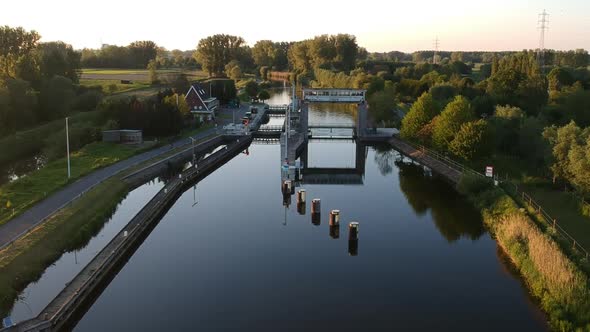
[[239, 259], [232, 255]]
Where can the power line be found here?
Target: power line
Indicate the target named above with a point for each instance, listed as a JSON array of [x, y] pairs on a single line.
[[436, 44], [542, 26]]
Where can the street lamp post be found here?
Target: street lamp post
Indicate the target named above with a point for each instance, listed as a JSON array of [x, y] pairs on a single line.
[[193, 142], [68, 147]]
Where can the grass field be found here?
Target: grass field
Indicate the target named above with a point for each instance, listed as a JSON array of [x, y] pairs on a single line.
[[136, 75], [17, 196], [565, 208]]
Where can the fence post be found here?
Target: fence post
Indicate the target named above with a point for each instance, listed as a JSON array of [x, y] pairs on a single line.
[[574, 244], [554, 223]]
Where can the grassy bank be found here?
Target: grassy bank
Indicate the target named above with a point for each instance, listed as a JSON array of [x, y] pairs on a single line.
[[26, 259], [26, 191], [554, 278], [28, 142]]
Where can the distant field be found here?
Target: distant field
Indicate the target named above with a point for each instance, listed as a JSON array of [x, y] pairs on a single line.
[[136, 75]]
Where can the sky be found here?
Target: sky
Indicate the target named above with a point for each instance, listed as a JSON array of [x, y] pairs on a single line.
[[379, 25]]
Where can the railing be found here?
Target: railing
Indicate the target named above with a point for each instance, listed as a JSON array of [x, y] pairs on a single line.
[[444, 159], [526, 198], [271, 128], [547, 218]]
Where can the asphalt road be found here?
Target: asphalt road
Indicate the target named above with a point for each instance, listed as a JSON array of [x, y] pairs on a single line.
[[43, 209]]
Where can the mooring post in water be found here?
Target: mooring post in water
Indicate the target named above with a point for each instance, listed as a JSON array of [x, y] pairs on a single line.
[[353, 233], [301, 196], [316, 219], [287, 187], [316, 206], [334, 218], [301, 207], [335, 232]]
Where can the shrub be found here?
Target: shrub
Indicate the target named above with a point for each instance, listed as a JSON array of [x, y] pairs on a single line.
[[87, 101], [471, 184]]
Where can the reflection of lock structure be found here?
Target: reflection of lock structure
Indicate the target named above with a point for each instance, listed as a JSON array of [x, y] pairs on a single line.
[[353, 231]]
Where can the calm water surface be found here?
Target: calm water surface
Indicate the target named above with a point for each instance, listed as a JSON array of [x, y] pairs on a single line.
[[229, 255], [240, 260]]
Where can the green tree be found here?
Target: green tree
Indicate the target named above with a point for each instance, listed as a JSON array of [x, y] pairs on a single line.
[[470, 141], [214, 52], [561, 141], [264, 53], [559, 77], [264, 73], [58, 58], [16, 44], [455, 114], [382, 106], [420, 114], [252, 89], [152, 67], [142, 52], [263, 95], [233, 70], [55, 98]]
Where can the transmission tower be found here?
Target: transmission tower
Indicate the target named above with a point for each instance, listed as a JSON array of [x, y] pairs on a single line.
[[436, 44], [542, 26]]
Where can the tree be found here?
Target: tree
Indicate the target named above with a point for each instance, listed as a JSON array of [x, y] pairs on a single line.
[[455, 114], [233, 70], [420, 114], [55, 98], [142, 52], [153, 71], [382, 105], [180, 85], [470, 141], [516, 80], [214, 52], [264, 73], [264, 53], [559, 77], [263, 95], [58, 58], [16, 45], [252, 89]]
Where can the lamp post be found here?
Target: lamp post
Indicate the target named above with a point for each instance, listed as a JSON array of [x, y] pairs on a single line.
[[68, 147], [193, 142]]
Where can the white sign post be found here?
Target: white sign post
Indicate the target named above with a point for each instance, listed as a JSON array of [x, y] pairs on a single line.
[[489, 171]]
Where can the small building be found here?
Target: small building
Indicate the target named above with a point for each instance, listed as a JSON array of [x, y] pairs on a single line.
[[201, 104], [125, 136]]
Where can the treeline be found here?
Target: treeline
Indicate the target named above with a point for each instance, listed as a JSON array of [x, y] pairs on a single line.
[[156, 117], [136, 55], [227, 56], [517, 112], [572, 58], [38, 81]]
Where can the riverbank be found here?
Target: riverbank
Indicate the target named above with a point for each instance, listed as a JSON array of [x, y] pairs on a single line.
[[26, 259], [16, 197], [70, 229], [551, 276]]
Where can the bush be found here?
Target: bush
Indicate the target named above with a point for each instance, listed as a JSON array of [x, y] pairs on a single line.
[[471, 184], [80, 135], [87, 101], [585, 209]]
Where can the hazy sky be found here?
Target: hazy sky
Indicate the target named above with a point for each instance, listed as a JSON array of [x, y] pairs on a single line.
[[378, 25]]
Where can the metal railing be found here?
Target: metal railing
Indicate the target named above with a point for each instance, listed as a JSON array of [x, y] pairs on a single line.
[[525, 197], [443, 159], [547, 218]]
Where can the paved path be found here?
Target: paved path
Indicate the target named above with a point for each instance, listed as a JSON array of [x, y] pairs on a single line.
[[45, 208]]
